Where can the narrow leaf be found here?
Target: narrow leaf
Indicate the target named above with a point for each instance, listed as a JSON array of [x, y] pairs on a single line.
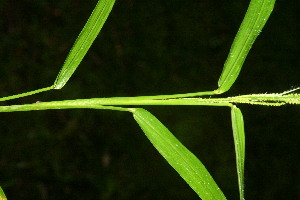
[[2, 195], [255, 19], [84, 41], [178, 156], [239, 143]]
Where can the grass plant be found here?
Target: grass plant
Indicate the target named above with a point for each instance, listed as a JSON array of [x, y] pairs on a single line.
[[187, 165]]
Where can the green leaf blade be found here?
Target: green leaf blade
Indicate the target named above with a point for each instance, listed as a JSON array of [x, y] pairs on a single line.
[[254, 21], [239, 143], [84, 41], [2, 195], [178, 156]]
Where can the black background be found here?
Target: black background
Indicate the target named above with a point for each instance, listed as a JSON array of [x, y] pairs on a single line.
[[145, 48]]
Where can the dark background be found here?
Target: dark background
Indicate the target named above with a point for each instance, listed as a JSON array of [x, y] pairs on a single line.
[[145, 48]]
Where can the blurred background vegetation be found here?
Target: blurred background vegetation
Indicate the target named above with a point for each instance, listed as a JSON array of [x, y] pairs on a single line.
[[145, 48]]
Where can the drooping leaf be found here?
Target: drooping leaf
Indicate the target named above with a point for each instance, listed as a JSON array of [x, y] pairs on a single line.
[[178, 156], [239, 143]]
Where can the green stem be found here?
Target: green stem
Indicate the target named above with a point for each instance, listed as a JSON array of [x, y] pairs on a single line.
[[26, 94], [174, 96], [106, 104], [61, 105]]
